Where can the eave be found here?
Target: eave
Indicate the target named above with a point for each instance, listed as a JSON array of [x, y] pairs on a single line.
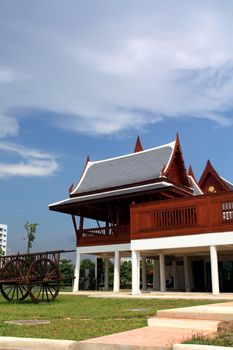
[[60, 206]]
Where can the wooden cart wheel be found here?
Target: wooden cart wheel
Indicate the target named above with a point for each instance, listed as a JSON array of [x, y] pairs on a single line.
[[14, 274], [43, 280]]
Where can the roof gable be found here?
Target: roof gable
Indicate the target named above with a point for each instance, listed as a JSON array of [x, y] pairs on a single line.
[[175, 169], [211, 181]]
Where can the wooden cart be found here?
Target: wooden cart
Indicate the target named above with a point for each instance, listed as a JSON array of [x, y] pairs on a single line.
[[36, 275]]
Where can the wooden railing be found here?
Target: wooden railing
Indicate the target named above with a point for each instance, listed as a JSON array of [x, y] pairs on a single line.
[[183, 216], [167, 219], [193, 215], [103, 235]]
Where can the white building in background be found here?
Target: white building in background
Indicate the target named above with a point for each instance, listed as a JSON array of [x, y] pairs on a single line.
[[3, 237]]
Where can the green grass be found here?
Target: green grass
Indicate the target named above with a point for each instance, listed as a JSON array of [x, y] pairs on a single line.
[[80, 317], [224, 337]]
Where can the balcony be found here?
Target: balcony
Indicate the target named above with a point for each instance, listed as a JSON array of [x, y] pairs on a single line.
[[103, 235], [185, 216], [175, 217]]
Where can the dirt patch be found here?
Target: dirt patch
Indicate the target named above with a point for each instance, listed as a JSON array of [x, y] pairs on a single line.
[[27, 322]]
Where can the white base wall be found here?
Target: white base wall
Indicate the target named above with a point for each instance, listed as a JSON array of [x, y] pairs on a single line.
[[190, 244]]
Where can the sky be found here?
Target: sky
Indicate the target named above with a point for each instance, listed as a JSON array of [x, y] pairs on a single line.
[[82, 78]]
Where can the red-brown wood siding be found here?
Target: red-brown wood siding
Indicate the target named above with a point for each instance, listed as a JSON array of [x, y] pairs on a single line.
[[185, 216]]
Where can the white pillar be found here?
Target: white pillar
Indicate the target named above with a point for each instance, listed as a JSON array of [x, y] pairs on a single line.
[[76, 273], [186, 274], [116, 282], [138, 269], [106, 273], [135, 272], [144, 281], [174, 273], [214, 270], [162, 272]]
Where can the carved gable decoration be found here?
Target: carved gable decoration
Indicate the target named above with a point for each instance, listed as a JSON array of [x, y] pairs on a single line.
[[176, 170], [211, 182]]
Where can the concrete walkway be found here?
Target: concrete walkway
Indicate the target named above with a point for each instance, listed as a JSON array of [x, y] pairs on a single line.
[[167, 328], [153, 295], [147, 338]]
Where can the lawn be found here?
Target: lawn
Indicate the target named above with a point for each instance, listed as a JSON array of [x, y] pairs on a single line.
[[224, 337], [80, 317]]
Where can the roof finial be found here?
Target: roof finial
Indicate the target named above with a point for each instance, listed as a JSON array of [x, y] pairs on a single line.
[[191, 173], [71, 188], [163, 170], [138, 146]]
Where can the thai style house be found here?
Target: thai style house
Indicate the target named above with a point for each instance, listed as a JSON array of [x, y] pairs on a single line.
[[147, 206]]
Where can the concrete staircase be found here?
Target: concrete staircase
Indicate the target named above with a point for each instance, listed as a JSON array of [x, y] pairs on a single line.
[[195, 325], [169, 327], [217, 312]]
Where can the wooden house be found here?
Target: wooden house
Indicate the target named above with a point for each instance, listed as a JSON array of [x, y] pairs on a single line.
[[146, 205]]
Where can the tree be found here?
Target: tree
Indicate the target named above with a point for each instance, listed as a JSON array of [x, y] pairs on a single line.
[[1, 251], [31, 234], [67, 271], [126, 274], [87, 264]]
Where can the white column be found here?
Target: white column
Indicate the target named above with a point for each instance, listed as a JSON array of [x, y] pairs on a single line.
[[186, 274], [138, 269], [174, 273], [144, 281], [106, 273], [116, 282], [162, 272], [214, 270], [76, 273], [155, 274], [135, 272]]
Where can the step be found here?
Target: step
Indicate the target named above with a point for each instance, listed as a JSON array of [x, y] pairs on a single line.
[[217, 312], [184, 323]]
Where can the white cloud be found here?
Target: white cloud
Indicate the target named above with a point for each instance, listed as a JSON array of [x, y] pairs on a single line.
[[128, 69], [31, 162], [6, 75], [8, 126]]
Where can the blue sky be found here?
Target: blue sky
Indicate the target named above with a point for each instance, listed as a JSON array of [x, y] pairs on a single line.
[[82, 78]]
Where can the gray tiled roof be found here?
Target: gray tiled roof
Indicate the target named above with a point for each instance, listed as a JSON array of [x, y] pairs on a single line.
[[137, 167], [228, 183], [196, 189]]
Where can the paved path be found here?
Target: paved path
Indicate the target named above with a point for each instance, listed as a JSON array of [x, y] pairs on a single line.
[[153, 295], [169, 327], [142, 338]]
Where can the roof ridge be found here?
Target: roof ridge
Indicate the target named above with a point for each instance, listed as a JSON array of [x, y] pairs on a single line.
[[230, 183], [170, 144]]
